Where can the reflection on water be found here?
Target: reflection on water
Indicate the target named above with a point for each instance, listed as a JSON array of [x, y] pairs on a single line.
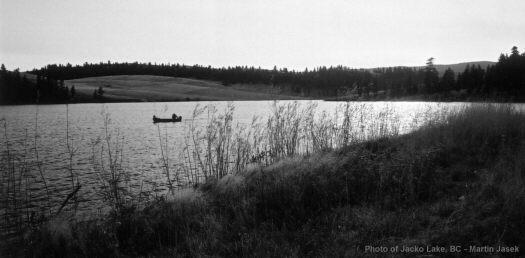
[[30, 130]]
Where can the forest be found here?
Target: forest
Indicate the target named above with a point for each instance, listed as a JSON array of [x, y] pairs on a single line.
[[17, 88], [504, 81]]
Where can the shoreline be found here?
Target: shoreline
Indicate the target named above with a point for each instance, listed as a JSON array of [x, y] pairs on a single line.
[[405, 99]]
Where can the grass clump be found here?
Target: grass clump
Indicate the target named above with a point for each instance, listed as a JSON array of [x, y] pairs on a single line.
[[460, 182]]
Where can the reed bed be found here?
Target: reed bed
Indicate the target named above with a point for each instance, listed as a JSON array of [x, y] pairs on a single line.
[[218, 147]]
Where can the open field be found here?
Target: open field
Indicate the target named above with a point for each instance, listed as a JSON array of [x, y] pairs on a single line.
[[162, 88]]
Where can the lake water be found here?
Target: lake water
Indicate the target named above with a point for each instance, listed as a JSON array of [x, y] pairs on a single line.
[[141, 153]]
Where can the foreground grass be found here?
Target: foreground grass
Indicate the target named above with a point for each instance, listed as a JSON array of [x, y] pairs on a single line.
[[458, 183]]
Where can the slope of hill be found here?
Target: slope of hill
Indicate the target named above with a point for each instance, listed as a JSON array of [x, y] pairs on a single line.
[[162, 88], [460, 67], [122, 88], [457, 68]]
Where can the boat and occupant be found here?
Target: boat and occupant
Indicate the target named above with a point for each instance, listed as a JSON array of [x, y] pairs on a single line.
[[174, 118]]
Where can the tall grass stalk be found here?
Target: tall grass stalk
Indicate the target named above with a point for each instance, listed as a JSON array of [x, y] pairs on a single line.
[[71, 153], [284, 129], [39, 164], [217, 147], [164, 150], [107, 159]]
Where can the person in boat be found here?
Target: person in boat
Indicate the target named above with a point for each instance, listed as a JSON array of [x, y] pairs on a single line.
[[154, 117], [174, 116]]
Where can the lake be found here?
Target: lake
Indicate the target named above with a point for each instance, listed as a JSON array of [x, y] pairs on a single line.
[[29, 130]]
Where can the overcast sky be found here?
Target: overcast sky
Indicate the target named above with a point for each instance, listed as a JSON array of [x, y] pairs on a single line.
[[293, 34]]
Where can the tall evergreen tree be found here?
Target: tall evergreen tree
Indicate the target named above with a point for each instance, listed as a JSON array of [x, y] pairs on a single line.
[[448, 80], [431, 76]]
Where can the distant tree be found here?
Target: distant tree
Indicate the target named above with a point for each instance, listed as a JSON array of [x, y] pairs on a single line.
[[3, 85], [411, 84], [447, 81], [373, 88], [431, 76], [459, 82], [100, 91]]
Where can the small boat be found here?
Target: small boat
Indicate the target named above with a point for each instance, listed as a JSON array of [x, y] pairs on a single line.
[[167, 120]]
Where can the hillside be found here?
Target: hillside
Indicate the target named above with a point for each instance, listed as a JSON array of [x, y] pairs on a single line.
[[163, 88], [123, 82], [460, 67], [457, 68]]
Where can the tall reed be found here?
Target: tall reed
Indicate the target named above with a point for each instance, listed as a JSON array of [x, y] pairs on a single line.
[[39, 164], [214, 147], [165, 158], [107, 158]]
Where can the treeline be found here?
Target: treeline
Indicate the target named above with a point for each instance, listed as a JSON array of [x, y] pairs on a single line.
[[16, 88], [503, 81], [321, 81], [505, 78]]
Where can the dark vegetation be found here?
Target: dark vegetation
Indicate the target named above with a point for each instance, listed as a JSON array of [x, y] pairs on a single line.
[[504, 81], [17, 88], [456, 183]]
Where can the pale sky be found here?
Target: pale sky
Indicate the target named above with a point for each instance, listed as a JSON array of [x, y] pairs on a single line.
[[293, 34]]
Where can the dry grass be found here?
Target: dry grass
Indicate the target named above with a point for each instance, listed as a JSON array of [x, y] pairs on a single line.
[[162, 88], [218, 147]]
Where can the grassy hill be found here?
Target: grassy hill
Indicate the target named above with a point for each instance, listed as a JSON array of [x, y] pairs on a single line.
[[122, 88], [162, 88]]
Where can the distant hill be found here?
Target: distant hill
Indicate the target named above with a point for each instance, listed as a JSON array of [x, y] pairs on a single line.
[[164, 88], [147, 82], [460, 67], [29, 76], [457, 68]]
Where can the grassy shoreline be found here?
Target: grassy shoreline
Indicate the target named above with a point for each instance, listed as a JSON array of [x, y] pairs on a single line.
[[457, 183]]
